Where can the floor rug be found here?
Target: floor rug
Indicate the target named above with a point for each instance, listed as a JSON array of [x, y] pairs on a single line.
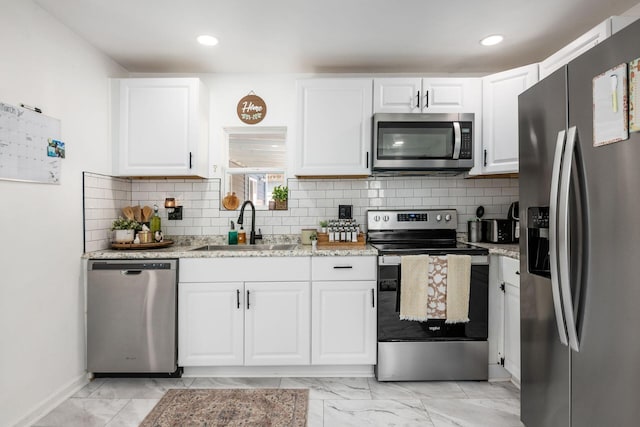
[[237, 407]]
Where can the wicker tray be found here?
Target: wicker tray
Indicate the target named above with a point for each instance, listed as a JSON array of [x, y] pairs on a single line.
[[323, 240]]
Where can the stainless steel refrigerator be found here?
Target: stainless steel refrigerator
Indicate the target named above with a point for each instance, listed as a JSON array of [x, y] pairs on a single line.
[[580, 251]]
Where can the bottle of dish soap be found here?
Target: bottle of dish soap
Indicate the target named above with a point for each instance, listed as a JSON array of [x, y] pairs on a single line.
[[155, 221], [242, 236], [233, 235]]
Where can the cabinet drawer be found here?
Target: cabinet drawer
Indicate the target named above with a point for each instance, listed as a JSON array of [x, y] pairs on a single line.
[[510, 270], [343, 268], [245, 269]]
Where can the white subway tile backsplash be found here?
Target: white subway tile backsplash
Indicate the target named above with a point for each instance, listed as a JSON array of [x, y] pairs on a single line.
[[310, 201]]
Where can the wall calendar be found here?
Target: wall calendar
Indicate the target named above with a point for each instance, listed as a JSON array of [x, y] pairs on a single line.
[[30, 146]]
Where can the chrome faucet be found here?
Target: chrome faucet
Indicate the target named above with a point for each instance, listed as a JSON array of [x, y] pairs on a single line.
[[252, 235]]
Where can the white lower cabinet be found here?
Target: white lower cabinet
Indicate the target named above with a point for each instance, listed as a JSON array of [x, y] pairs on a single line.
[[511, 282], [277, 317], [226, 317], [504, 317], [343, 322], [211, 324], [306, 311], [343, 311]]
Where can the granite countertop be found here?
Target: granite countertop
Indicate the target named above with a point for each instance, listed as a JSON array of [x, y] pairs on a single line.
[[187, 251], [507, 249]]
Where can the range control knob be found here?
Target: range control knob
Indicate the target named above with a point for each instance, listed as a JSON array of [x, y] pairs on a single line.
[[447, 217], [385, 218], [376, 218], [438, 217]]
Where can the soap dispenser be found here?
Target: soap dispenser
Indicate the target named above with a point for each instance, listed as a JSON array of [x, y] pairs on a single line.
[[242, 236], [233, 235]]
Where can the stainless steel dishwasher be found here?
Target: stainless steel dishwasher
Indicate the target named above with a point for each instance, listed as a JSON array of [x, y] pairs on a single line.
[[131, 316]]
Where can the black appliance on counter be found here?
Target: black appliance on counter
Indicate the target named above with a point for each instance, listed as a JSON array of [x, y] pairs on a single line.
[[431, 350]]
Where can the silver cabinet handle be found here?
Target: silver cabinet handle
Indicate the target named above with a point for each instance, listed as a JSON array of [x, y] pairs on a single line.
[[563, 239], [457, 140], [553, 248]]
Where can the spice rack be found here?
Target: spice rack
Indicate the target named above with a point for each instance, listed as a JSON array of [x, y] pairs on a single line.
[[323, 240]]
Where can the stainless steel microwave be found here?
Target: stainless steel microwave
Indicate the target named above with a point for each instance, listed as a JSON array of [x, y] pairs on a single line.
[[422, 142]]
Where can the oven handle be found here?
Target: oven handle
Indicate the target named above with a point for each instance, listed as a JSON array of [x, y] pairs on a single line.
[[391, 260]]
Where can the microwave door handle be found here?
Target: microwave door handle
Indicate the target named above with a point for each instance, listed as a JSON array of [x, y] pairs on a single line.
[[553, 235], [457, 140]]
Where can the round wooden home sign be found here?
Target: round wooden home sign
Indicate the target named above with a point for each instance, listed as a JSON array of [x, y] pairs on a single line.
[[252, 109]]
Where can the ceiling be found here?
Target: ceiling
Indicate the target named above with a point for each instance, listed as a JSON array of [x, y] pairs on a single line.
[[334, 36]]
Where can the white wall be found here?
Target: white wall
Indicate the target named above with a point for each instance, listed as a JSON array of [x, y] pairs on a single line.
[[41, 293]]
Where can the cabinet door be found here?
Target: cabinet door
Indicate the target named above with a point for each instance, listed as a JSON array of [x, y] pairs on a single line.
[[162, 127], [210, 324], [500, 119], [451, 95], [343, 323], [277, 323], [511, 282], [397, 95], [334, 127]]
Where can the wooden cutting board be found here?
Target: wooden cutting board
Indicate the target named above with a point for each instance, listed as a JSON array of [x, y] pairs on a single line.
[[231, 201]]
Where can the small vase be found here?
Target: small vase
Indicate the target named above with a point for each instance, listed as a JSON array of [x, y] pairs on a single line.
[[123, 236]]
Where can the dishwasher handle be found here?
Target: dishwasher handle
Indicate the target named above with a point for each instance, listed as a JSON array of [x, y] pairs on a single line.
[[130, 272]]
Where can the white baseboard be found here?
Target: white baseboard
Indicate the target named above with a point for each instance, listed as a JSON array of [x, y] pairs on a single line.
[[498, 373], [55, 399], [279, 371]]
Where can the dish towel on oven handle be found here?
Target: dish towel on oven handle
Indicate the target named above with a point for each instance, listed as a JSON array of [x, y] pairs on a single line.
[[413, 287], [458, 288]]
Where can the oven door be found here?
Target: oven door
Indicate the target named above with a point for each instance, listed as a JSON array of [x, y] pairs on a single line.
[[391, 328]]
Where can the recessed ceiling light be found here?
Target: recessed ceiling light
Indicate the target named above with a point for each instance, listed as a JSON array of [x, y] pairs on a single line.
[[491, 40], [274, 146], [207, 40]]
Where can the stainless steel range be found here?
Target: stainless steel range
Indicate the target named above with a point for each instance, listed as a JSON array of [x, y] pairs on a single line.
[[431, 350]]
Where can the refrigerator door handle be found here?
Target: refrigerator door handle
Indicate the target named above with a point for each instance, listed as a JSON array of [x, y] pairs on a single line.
[[563, 238], [553, 234]]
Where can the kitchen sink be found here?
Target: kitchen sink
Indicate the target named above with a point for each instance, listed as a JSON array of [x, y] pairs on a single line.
[[278, 247]]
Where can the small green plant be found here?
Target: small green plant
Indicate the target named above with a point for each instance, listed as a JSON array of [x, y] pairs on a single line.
[[313, 236], [324, 223], [280, 193], [125, 224]]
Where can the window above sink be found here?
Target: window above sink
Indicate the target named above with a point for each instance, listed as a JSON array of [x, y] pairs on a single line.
[[257, 163]]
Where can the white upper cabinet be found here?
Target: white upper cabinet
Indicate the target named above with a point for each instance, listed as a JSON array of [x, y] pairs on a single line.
[[498, 152], [597, 34], [333, 127], [161, 127], [428, 95]]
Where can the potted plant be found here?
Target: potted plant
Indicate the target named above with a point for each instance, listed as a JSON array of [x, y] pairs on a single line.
[[280, 195], [124, 230], [323, 226], [314, 240]]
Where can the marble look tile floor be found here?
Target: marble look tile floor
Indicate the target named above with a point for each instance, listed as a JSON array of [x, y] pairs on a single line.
[[333, 402]]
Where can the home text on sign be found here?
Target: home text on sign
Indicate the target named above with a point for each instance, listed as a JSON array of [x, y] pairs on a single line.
[[251, 109]]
